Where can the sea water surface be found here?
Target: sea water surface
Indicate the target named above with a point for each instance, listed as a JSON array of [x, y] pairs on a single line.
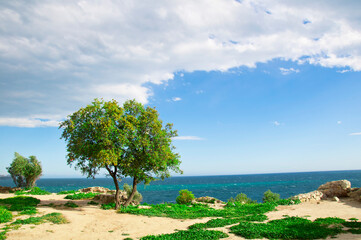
[[221, 187]]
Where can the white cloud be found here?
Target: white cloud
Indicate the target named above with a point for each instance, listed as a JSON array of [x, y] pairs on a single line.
[[355, 134], [276, 123], [192, 138], [176, 99], [339, 122], [28, 122], [286, 71], [57, 56]]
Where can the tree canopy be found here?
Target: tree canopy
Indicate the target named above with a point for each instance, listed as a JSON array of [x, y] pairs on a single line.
[[25, 171], [128, 141]]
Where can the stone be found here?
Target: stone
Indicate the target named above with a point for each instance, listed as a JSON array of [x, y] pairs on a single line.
[[309, 197], [97, 190], [355, 193], [9, 189], [109, 198], [339, 188], [207, 200], [336, 199]]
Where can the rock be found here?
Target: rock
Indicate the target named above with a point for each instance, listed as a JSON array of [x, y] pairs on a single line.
[[355, 193], [207, 200], [97, 190], [9, 189], [109, 198], [336, 199], [309, 197], [339, 188]]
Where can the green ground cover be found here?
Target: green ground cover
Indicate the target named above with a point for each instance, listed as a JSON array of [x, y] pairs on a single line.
[[189, 235], [32, 191], [79, 196], [67, 192]]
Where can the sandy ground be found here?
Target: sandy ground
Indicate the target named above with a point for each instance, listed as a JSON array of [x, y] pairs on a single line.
[[91, 223]]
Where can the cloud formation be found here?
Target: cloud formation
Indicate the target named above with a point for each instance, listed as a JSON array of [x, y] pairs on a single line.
[[286, 71], [56, 56], [355, 134]]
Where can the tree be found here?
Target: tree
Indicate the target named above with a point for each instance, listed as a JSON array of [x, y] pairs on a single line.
[[25, 171], [126, 141]]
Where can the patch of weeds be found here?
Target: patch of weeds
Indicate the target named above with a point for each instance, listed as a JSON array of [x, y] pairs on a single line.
[[32, 191], [56, 218], [128, 238], [67, 192], [30, 211], [78, 196], [288, 201], [219, 222], [51, 231], [269, 196], [125, 234], [287, 228], [185, 197], [93, 203], [5, 215], [355, 230], [20, 203], [329, 220], [71, 205], [108, 206], [241, 198], [188, 235]]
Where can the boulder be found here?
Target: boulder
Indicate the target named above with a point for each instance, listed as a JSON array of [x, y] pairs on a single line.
[[9, 189], [97, 190], [339, 188], [207, 200], [109, 198], [355, 193], [314, 196]]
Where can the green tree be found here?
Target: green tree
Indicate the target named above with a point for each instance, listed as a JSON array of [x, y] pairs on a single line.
[[25, 171], [126, 141]]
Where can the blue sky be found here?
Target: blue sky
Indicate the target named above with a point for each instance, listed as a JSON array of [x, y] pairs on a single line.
[[251, 87]]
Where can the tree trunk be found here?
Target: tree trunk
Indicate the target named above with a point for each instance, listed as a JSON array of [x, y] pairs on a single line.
[[113, 174], [130, 198]]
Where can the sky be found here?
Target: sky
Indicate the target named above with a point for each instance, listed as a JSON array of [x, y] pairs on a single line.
[[251, 86]]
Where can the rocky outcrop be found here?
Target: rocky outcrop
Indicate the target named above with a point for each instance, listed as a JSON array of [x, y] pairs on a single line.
[[314, 196], [97, 190], [355, 193], [9, 189], [207, 199], [109, 198], [339, 188]]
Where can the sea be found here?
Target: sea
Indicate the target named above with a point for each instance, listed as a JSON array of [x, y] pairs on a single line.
[[221, 187]]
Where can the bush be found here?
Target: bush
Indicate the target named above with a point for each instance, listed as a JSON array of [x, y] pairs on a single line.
[[5, 215], [32, 191], [270, 197], [185, 197], [137, 196], [20, 203], [241, 198], [71, 205], [78, 196]]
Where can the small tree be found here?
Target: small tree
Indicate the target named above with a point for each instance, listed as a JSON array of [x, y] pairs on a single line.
[[269, 196], [25, 171], [126, 141]]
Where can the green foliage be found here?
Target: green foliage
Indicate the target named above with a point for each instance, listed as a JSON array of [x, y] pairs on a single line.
[[189, 235], [137, 196], [78, 196], [352, 224], [32, 191], [71, 205], [25, 205], [5, 215], [25, 171], [288, 201], [185, 197], [241, 198], [269, 196], [108, 206], [126, 141], [329, 220], [30, 211], [56, 218], [93, 203], [67, 192], [287, 228]]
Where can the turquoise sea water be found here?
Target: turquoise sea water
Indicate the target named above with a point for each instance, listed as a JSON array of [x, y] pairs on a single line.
[[221, 187]]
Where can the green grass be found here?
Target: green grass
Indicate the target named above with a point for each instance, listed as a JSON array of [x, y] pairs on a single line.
[[71, 205], [78, 196], [92, 203], [33, 191], [22, 204], [56, 218], [289, 228], [188, 235], [68, 192], [5, 215], [108, 206]]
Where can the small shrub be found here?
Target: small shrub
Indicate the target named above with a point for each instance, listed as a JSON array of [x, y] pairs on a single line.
[[189, 234], [241, 198], [137, 196], [288, 201], [93, 203], [56, 218], [185, 197], [269, 196], [71, 205], [108, 206], [78, 196], [5, 215]]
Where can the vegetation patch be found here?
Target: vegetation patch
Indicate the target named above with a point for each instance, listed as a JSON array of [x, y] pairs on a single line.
[[289, 228], [71, 205], [92, 203], [185, 197], [188, 235], [32, 191], [22, 204], [5, 215], [108, 206], [56, 218], [78, 196], [241, 198]]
